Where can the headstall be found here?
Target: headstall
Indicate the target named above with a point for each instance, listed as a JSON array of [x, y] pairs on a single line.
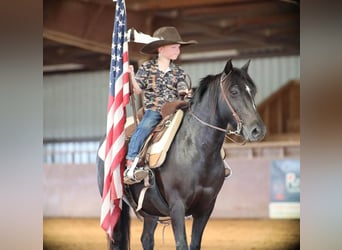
[[236, 116]]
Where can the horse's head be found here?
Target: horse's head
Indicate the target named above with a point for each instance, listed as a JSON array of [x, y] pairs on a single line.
[[238, 91]]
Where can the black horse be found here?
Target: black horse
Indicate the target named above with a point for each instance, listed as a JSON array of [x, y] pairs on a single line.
[[193, 173]]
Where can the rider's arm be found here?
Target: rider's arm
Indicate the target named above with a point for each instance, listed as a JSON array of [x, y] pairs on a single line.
[[136, 89]]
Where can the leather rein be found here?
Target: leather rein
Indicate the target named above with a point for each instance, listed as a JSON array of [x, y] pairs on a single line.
[[236, 116]]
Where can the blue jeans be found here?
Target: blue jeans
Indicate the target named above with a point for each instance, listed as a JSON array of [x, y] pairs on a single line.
[[148, 122]]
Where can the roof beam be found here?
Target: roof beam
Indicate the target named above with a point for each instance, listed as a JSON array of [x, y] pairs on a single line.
[[147, 5], [91, 28]]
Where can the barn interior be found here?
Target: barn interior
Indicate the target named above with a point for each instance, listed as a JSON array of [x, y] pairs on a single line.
[[77, 37]]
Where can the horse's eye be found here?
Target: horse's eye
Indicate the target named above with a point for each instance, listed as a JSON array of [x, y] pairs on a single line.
[[234, 91]]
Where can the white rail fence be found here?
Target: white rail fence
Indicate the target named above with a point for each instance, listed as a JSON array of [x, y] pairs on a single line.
[[85, 152]]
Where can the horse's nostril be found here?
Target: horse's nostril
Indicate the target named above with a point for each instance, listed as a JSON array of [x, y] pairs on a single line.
[[255, 132], [258, 132]]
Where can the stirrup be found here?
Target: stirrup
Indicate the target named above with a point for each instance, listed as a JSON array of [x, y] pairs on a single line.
[[138, 175]]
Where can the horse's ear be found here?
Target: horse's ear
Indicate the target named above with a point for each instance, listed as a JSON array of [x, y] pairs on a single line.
[[245, 67], [229, 66]]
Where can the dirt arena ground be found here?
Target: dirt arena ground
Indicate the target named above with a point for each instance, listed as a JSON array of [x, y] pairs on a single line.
[[234, 234]]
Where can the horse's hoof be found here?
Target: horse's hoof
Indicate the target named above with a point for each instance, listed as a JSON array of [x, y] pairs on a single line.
[[227, 172]]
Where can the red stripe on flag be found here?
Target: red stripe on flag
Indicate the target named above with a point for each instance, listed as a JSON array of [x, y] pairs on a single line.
[[111, 219]]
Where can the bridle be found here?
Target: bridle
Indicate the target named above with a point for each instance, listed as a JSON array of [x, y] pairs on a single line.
[[239, 122]]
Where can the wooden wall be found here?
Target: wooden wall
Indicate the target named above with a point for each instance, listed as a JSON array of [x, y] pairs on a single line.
[[281, 112]]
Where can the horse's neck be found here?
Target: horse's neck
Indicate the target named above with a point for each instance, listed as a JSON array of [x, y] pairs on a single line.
[[209, 137], [210, 115]]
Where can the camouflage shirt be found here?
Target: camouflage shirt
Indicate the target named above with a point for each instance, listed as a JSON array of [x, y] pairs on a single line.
[[160, 87]]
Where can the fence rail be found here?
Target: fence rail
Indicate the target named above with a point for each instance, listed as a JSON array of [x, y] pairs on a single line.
[[85, 152]]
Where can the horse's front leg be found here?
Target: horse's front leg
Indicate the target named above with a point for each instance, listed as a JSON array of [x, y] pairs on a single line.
[[177, 214], [198, 226], [147, 236]]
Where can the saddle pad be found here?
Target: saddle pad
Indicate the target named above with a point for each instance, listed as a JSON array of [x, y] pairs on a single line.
[[156, 153]]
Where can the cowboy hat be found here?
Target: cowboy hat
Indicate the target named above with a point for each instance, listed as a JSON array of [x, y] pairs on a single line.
[[167, 35]]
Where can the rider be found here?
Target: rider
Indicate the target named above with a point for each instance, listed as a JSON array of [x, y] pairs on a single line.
[[161, 81]]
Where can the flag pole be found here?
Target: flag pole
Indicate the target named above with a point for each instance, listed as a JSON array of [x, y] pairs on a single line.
[[131, 38], [132, 101]]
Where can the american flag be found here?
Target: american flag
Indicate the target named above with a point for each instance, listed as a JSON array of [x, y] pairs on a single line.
[[115, 135]]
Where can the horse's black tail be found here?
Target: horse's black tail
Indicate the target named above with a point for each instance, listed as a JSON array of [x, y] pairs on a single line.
[[121, 234]]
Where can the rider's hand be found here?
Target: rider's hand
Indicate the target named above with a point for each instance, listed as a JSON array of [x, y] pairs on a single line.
[[188, 93], [131, 69]]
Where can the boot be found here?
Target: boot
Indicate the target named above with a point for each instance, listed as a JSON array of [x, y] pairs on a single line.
[[133, 173]]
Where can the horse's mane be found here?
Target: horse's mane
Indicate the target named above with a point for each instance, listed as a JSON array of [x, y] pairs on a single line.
[[207, 84]]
